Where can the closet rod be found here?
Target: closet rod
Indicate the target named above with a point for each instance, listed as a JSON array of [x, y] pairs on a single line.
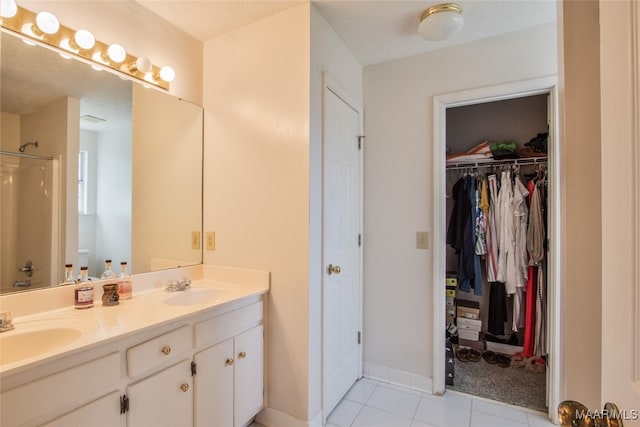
[[522, 162]]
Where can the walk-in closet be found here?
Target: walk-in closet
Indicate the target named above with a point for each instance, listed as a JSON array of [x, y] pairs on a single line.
[[497, 187]]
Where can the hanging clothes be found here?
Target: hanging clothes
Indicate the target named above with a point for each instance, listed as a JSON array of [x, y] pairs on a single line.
[[460, 234], [472, 187], [492, 230], [506, 238], [520, 217]]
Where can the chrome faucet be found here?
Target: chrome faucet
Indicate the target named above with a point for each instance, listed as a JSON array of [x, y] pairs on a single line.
[[6, 321], [178, 285]]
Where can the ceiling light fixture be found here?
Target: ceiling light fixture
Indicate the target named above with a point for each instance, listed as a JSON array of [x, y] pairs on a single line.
[[46, 23], [83, 39], [141, 64], [441, 22], [167, 74]]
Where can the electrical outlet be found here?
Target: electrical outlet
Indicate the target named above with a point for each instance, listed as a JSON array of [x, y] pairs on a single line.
[[195, 240], [422, 239], [211, 240]]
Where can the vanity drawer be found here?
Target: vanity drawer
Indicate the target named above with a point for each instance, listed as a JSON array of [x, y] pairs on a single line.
[[62, 389], [152, 353], [219, 328]]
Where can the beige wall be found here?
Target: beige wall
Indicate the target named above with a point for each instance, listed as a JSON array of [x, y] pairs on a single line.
[[256, 181], [140, 32], [10, 128], [166, 182], [582, 197]]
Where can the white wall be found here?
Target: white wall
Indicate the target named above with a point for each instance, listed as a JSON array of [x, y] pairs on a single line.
[[399, 190], [113, 199], [256, 181]]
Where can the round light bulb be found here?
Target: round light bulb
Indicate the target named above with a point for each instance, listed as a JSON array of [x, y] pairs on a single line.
[[143, 64], [8, 8], [47, 23], [84, 39], [116, 53], [167, 74]]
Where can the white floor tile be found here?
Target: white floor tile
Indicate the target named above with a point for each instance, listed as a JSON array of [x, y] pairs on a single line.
[[361, 391], [456, 398], [538, 420], [372, 417], [395, 401], [401, 388], [416, 423], [437, 411], [482, 419], [344, 414], [330, 425], [500, 411]]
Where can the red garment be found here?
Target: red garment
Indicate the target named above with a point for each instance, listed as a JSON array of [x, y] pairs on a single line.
[[530, 312]]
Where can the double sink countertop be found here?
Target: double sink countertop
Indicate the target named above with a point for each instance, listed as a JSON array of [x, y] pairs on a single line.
[[48, 327]]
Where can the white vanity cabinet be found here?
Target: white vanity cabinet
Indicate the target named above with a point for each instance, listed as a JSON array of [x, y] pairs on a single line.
[[228, 386], [201, 370]]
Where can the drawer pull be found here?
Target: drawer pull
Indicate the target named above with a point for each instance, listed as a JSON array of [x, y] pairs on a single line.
[[242, 355], [228, 362], [166, 350], [184, 387]]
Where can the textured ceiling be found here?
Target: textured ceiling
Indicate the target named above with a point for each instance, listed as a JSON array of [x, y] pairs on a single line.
[[375, 31]]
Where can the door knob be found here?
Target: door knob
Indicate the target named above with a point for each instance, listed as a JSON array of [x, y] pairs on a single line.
[[334, 269]]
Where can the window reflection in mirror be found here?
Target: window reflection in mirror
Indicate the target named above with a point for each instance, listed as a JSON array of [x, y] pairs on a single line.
[[124, 182]]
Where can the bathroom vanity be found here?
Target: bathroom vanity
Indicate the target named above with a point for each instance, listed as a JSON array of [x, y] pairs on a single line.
[[188, 358]]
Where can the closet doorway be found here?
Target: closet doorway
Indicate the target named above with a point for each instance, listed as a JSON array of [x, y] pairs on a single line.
[[470, 301]]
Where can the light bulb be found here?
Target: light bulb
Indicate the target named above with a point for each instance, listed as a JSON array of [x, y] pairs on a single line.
[[8, 8], [116, 53], [46, 23], [84, 39], [142, 65], [167, 74]]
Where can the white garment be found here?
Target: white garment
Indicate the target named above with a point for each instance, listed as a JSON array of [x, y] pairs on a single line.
[[519, 268], [492, 230], [506, 238]]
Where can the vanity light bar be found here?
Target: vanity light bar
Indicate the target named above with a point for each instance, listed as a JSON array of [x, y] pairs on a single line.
[[82, 44]]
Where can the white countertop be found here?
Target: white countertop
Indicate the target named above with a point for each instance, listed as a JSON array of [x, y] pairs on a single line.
[[151, 306]]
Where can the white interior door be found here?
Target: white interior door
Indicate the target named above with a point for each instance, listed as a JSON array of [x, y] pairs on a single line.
[[341, 252]]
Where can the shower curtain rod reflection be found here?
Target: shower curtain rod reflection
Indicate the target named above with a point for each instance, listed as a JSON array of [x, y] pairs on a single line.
[[28, 156]]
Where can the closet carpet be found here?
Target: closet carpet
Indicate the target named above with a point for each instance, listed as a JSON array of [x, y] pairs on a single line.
[[515, 386]]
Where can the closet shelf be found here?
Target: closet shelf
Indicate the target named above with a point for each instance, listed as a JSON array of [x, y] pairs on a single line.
[[515, 162]]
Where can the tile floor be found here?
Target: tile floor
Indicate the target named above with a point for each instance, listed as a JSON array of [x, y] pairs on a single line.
[[371, 403]]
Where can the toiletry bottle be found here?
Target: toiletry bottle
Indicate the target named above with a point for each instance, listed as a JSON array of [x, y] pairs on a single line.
[[84, 290], [68, 275], [108, 272], [124, 282]]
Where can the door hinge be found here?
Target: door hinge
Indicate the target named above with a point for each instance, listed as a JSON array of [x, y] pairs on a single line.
[[359, 337], [124, 403], [193, 368], [359, 240], [360, 141]]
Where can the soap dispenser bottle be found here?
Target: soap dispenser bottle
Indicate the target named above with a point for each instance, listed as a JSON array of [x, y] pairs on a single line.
[[124, 282], [84, 290]]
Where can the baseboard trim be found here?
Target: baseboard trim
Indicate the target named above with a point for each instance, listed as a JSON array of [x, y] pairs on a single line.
[[398, 377], [273, 418]]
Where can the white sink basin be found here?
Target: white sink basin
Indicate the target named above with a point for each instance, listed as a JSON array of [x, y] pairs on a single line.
[[196, 296], [30, 339]]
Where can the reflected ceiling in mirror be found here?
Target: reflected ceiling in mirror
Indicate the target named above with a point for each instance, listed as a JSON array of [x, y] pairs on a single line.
[[41, 87]]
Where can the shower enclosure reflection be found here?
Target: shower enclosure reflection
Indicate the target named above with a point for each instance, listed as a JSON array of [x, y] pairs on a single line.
[[28, 197]]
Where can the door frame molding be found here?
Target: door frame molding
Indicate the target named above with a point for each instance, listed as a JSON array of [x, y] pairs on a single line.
[[329, 84], [545, 85]]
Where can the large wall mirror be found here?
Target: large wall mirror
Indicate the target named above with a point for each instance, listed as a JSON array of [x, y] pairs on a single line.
[[93, 167]]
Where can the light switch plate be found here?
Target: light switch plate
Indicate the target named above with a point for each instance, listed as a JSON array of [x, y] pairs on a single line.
[[195, 240], [210, 237], [422, 239]]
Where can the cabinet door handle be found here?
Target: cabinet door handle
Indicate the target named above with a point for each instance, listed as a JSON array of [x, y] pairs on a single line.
[[166, 350], [184, 387], [242, 355], [228, 362]]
